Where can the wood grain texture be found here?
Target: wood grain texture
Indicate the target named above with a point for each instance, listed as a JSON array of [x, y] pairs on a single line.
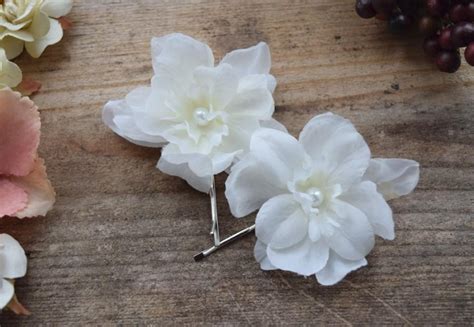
[[117, 249]]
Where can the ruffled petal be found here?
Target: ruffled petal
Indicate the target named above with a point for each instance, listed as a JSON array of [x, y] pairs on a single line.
[[257, 103], [220, 82], [19, 133], [12, 198], [119, 116], [365, 197], [56, 8], [249, 185], [13, 46], [334, 144], [7, 291], [178, 55], [337, 268], [253, 60], [394, 177], [273, 214], [195, 169], [54, 35], [273, 124], [353, 236], [258, 81], [260, 252], [41, 195], [279, 150], [12, 258], [305, 258]]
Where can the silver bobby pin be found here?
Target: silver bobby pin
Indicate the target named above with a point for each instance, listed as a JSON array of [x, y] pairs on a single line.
[[218, 244]]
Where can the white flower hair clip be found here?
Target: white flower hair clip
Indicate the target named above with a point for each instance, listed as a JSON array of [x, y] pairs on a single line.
[[202, 115], [321, 199]]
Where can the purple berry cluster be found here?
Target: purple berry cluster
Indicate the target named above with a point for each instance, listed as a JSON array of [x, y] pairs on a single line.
[[448, 26]]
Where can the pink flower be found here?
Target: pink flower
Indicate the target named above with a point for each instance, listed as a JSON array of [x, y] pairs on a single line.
[[25, 190]]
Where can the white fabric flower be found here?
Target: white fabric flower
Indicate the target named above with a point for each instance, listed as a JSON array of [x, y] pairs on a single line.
[[205, 114], [321, 198], [31, 24], [12, 265]]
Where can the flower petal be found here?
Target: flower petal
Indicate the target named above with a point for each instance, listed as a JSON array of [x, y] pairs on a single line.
[[280, 150], [273, 214], [54, 35], [56, 8], [334, 143], [119, 116], [12, 198], [260, 252], [19, 133], [305, 258], [365, 197], [13, 46], [253, 60], [353, 239], [10, 73], [249, 185], [41, 195], [7, 291], [196, 169], [40, 25], [257, 103], [290, 231], [258, 81], [221, 83], [178, 55], [12, 258], [337, 268], [394, 177], [273, 124]]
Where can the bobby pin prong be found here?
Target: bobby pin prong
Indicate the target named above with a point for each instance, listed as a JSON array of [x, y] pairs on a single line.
[[214, 215], [227, 241]]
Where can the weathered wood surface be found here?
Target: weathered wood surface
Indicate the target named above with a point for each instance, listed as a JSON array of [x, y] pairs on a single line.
[[118, 247]]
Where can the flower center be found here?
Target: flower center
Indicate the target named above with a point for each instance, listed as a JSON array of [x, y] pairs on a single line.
[[17, 11], [316, 195], [202, 116]]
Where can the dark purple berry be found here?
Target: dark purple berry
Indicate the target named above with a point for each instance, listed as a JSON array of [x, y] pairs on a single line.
[[364, 9], [399, 23], [437, 8], [431, 47], [469, 54], [448, 61], [445, 40], [384, 6]]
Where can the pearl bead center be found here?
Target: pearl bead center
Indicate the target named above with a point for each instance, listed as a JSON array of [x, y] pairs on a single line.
[[316, 196], [201, 116]]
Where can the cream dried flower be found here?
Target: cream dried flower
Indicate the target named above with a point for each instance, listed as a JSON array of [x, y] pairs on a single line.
[[31, 24], [10, 73]]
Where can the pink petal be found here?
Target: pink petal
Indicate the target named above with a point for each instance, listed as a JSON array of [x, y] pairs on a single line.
[[29, 86], [19, 133], [65, 22], [12, 198], [41, 195]]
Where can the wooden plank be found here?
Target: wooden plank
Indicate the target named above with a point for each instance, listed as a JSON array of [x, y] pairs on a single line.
[[118, 247]]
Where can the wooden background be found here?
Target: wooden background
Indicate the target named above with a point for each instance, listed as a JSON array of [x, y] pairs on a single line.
[[118, 247]]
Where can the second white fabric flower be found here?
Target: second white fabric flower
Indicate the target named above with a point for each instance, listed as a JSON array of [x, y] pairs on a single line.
[[12, 265], [205, 114], [321, 198]]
